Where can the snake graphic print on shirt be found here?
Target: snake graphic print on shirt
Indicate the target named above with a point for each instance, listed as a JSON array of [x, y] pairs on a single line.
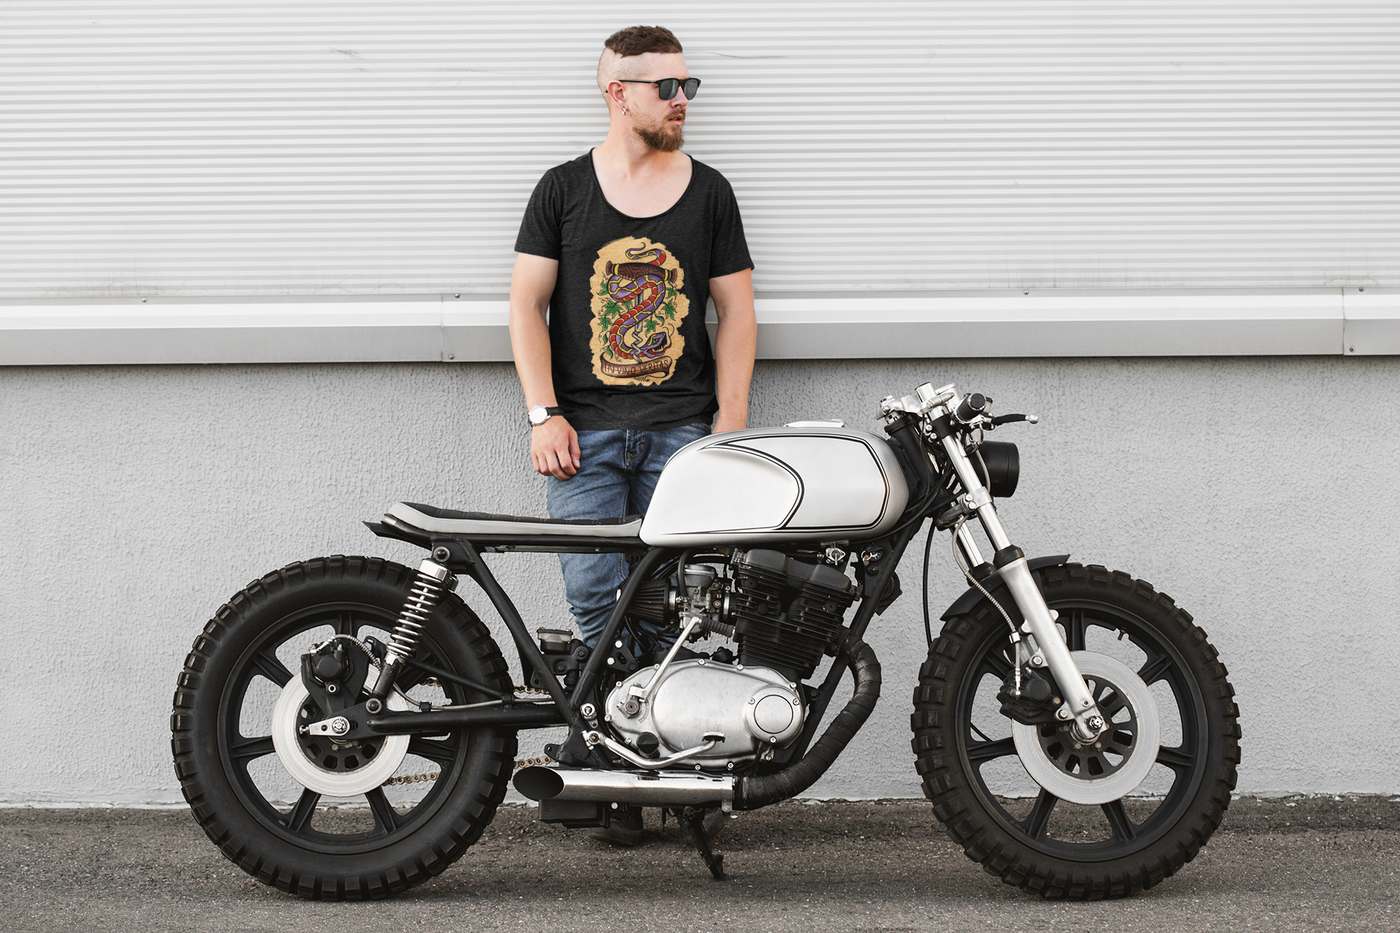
[[637, 310]]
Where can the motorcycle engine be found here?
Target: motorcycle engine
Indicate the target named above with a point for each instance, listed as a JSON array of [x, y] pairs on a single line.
[[783, 611], [786, 612]]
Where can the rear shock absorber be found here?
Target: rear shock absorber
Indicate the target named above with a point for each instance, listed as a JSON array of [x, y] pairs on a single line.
[[432, 581]]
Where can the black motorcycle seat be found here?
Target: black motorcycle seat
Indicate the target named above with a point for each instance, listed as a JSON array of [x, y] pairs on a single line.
[[449, 521]]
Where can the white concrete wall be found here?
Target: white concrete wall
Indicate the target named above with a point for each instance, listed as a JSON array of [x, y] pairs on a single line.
[[1260, 493]]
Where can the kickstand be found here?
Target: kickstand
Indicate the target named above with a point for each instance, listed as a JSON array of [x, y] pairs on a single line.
[[695, 820]]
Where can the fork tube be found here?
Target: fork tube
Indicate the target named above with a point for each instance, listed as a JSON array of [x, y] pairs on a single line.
[[969, 546], [1017, 575], [977, 495], [1011, 565]]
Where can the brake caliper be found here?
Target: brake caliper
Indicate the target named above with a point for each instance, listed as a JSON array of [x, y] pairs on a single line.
[[1036, 702], [334, 674]]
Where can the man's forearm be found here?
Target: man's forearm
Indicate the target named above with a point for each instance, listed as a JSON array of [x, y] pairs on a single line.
[[531, 284], [735, 340], [529, 342], [553, 444]]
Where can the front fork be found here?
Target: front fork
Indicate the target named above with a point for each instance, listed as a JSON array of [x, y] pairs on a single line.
[[1011, 564]]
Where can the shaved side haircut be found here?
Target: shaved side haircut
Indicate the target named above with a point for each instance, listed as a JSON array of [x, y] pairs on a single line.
[[628, 44]]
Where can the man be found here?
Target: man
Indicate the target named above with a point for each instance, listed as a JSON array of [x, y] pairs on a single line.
[[623, 247]]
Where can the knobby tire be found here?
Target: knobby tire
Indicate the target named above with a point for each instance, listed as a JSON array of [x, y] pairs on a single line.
[[1046, 845], [222, 749]]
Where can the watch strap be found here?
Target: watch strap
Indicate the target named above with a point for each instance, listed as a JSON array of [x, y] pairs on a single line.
[[548, 411]]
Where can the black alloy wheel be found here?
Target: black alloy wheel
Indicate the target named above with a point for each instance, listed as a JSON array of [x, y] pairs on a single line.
[[413, 809], [1025, 834]]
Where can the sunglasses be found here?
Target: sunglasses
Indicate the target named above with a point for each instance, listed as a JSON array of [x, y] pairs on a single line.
[[666, 87]]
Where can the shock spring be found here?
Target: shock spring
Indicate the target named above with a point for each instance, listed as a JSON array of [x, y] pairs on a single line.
[[423, 596]]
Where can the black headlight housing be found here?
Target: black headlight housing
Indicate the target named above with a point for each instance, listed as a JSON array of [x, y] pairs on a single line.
[[999, 467]]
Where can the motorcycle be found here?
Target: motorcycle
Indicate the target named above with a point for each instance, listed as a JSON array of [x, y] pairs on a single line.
[[358, 678]]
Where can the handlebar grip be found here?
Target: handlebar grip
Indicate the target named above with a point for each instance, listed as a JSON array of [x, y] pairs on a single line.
[[972, 406]]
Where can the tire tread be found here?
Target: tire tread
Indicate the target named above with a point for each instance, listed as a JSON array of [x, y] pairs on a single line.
[[1000, 853], [446, 844]]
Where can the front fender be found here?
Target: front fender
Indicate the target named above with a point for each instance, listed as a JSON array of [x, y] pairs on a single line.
[[964, 603]]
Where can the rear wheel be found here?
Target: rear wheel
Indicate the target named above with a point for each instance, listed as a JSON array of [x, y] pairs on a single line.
[[1152, 792], [313, 816]]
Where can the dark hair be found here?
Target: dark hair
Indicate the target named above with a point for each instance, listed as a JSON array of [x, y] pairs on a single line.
[[639, 40]]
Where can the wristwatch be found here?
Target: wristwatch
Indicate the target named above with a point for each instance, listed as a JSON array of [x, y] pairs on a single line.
[[539, 415]]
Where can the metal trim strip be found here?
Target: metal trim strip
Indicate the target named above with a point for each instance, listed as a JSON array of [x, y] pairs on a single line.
[[1323, 322]]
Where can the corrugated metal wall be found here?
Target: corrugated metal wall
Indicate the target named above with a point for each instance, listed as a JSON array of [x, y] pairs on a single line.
[[375, 148]]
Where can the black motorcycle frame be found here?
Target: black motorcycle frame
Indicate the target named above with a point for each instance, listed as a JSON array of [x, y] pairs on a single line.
[[461, 555]]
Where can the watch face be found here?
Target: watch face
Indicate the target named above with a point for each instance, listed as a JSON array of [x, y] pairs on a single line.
[[538, 415]]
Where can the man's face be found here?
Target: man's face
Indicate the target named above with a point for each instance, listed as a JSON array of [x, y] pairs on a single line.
[[657, 122]]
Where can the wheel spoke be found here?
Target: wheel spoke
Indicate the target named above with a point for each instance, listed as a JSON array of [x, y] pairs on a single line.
[[1115, 702], [989, 751], [300, 816], [1154, 669], [384, 816], [1119, 748], [345, 624], [248, 749], [1118, 819], [998, 664], [1075, 628], [1178, 759], [274, 670], [444, 753], [1039, 817]]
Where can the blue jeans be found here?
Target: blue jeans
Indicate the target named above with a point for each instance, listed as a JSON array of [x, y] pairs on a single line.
[[616, 478]]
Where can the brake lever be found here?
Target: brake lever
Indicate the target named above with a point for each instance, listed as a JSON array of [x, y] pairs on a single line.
[[1009, 419]]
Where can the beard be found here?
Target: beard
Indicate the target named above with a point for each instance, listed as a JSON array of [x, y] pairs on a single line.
[[661, 138]]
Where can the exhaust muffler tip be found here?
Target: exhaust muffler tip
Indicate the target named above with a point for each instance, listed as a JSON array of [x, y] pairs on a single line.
[[539, 783]]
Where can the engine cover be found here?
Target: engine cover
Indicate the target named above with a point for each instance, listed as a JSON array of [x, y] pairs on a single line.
[[750, 705]]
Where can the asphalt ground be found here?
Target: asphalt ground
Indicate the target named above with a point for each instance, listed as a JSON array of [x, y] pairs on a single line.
[[1277, 864]]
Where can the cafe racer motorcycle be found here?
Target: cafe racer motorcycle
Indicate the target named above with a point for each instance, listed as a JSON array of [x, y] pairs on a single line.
[[359, 681]]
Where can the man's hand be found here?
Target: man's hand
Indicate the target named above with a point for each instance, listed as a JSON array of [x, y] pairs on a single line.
[[554, 448]]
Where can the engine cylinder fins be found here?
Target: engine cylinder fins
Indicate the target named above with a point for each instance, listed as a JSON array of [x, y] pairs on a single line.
[[787, 611]]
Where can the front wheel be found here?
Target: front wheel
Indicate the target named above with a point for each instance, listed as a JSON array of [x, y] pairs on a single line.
[[315, 816], [1151, 792]]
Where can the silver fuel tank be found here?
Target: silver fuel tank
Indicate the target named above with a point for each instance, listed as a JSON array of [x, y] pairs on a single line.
[[795, 483]]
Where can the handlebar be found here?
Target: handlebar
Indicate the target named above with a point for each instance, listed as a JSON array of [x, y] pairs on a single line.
[[971, 411], [971, 407]]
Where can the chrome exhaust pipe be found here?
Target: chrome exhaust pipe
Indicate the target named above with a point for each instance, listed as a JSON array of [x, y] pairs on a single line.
[[648, 789]]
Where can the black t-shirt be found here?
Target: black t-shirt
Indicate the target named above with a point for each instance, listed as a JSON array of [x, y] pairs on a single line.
[[627, 317]]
